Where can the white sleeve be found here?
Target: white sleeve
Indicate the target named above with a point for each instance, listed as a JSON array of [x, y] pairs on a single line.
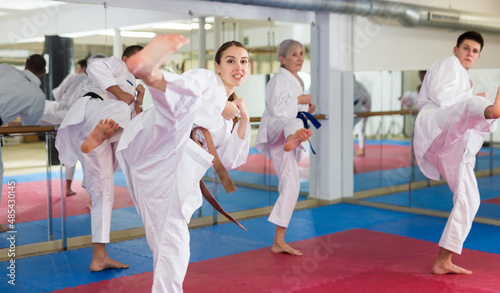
[[235, 152], [280, 102], [103, 71]]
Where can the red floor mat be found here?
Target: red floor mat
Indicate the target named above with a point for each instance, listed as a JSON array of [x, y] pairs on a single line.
[[357, 260], [495, 200], [31, 201]]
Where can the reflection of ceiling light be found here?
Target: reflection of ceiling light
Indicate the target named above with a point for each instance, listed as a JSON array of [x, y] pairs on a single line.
[[129, 34], [181, 26], [28, 4], [4, 53]]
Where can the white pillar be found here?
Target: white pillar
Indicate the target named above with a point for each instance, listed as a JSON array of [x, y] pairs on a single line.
[[202, 50], [217, 33], [332, 78], [117, 44]]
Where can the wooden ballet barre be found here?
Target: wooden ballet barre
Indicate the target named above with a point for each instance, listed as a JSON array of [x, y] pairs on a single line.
[[319, 117], [386, 113], [27, 129]]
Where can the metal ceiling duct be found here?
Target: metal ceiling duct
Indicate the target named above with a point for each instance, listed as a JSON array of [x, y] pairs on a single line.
[[408, 15]]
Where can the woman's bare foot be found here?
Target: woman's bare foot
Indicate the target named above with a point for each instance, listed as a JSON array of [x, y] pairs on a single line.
[[104, 263], [440, 268], [103, 130], [284, 248], [146, 63], [101, 260], [297, 138], [444, 265], [70, 192]]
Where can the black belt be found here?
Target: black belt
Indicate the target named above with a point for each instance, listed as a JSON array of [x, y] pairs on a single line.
[[93, 96]]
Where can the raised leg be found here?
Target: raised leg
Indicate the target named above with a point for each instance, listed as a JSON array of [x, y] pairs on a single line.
[[292, 141], [147, 62], [103, 130]]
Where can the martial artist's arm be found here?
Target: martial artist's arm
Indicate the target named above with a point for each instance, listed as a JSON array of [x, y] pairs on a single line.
[[245, 118], [140, 98], [234, 152], [121, 95]]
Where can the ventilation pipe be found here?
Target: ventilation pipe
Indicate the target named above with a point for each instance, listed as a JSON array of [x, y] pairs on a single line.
[[408, 15]]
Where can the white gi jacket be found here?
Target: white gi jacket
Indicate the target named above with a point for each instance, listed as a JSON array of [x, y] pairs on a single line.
[[447, 133], [20, 96], [65, 95], [150, 165], [282, 92], [85, 113]]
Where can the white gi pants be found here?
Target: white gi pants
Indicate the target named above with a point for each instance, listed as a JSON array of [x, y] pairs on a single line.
[[286, 168], [466, 202], [99, 167], [360, 131]]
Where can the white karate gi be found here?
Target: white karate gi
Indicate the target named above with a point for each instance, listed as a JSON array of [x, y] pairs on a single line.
[[20, 96], [163, 166], [449, 131], [65, 95], [100, 164], [362, 103], [277, 123]]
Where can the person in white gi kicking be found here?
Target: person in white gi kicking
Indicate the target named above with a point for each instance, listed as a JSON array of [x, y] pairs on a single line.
[[281, 134], [449, 131], [161, 164], [111, 94]]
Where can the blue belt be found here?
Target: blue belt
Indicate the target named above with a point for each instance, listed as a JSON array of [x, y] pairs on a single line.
[[302, 115]]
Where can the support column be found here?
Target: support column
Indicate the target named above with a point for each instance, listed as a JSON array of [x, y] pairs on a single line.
[[117, 44], [202, 40], [332, 81]]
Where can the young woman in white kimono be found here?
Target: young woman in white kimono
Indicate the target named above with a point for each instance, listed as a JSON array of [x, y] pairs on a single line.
[[281, 134], [449, 131], [162, 165], [110, 95]]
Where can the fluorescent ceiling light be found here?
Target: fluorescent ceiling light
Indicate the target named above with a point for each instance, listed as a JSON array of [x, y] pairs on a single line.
[[181, 26], [28, 4], [5, 53], [110, 33]]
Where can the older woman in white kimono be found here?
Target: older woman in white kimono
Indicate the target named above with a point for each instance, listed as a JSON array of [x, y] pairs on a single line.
[[449, 131], [161, 164], [109, 95], [281, 134]]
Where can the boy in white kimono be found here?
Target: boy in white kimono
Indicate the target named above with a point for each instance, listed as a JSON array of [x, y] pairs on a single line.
[[161, 164], [21, 96], [110, 94], [65, 95], [449, 131], [281, 134], [362, 103]]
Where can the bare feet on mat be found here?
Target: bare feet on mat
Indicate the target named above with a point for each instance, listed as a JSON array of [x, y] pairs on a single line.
[[444, 265], [297, 138], [103, 130], [284, 248], [360, 153], [440, 268], [4, 228], [104, 263], [89, 204], [70, 192], [147, 62]]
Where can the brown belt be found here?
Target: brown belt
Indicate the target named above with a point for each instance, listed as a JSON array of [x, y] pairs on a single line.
[[221, 172]]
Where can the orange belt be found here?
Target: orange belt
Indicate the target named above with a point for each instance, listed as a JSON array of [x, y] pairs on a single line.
[[221, 172]]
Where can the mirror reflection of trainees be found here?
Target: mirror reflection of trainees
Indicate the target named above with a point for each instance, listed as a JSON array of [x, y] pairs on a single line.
[[21, 96], [409, 98], [449, 131], [281, 135], [111, 94], [362, 103], [65, 95], [162, 165]]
